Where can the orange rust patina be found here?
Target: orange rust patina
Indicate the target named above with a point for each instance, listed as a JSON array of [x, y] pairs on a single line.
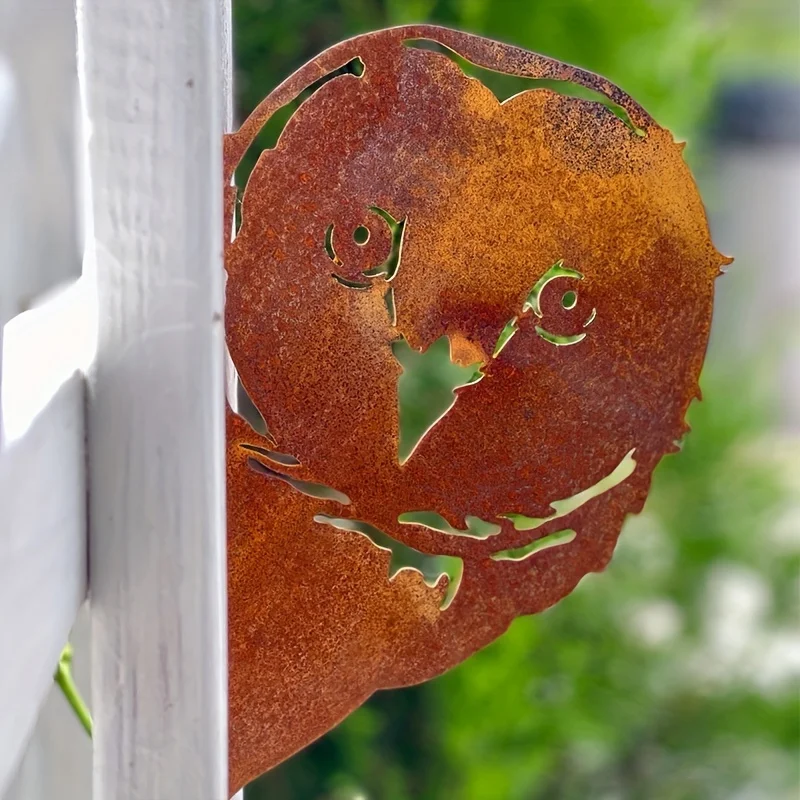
[[586, 229]]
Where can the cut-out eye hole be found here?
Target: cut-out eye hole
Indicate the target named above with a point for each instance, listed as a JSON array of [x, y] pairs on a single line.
[[558, 270], [329, 246], [559, 340], [388, 269], [361, 235], [569, 301], [359, 285]]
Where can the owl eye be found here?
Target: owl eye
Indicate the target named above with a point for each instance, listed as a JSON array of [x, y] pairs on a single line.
[[385, 271], [569, 300], [533, 302], [558, 270]]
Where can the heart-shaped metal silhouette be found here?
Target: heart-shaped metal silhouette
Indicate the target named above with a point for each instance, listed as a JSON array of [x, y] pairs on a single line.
[[555, 248]]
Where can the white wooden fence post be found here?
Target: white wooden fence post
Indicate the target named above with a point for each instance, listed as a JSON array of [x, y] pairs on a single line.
[[156, 422], [226, 62]]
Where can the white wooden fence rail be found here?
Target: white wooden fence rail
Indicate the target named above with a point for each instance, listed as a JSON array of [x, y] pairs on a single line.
[[42, 493], [156, 97]]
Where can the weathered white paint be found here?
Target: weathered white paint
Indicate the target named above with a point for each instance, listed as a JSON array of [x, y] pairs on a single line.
[[43, 347], [42, 561], [42, 481], [10, 244], [38, 144], [159, 676], [226, 70], [11, 148]]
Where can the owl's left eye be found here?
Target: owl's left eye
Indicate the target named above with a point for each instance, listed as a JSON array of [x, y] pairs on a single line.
[[361, 236]]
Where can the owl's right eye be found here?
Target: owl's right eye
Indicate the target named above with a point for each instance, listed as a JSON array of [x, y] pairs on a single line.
[[533, 302], [569, 301]]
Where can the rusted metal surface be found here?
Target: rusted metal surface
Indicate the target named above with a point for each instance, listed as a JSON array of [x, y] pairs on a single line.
[[491, 197]]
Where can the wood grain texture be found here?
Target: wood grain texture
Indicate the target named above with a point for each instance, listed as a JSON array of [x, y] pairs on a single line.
[[156, 401], [42, 561], [226, 71]]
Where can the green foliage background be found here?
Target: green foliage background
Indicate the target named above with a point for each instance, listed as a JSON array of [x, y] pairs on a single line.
[[629, 688]]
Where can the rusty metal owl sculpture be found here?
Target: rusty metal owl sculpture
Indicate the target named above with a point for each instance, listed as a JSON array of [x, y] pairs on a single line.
[[553, 251]]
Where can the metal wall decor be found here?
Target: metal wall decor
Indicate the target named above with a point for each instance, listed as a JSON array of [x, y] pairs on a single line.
[[555, 248]]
